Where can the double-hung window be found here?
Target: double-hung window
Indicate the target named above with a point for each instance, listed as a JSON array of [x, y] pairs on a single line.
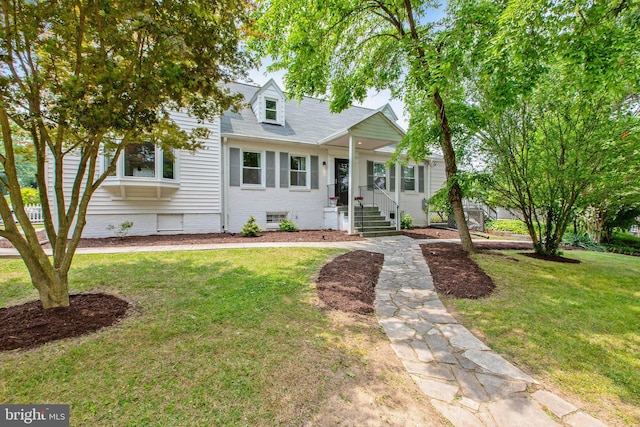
[[251, 168], [298, 171], [271, 110], [409, 178], [380, 175]]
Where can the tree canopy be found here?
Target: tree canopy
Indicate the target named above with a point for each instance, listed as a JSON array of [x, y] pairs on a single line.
[[341, 49], [555, 91], [83, 77]]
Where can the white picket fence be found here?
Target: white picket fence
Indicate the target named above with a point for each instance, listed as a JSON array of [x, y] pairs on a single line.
[[34, 212]]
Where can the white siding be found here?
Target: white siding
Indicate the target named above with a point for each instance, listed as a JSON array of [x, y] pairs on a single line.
[[438, 176], [197, 196], [378, 128]]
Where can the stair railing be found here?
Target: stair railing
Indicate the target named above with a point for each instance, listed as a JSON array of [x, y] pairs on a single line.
[[378, 197]]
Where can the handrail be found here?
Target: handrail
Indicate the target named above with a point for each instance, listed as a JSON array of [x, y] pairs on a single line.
[[378, 197]]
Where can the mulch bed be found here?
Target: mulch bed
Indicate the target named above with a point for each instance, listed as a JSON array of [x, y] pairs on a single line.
[[213, 238], [29, 325], [347, 283], [455, 273]]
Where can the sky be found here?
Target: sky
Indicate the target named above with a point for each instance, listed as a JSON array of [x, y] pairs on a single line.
[[374, 98]]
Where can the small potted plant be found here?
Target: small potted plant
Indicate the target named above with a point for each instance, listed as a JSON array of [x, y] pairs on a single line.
[[333, 200], [359, 198]]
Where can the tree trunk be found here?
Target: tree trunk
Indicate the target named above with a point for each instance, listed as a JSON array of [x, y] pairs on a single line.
[[55, 293], [451, 168]]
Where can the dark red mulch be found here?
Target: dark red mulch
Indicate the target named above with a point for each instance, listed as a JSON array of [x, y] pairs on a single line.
[[29, 325], [455, 273], [211, 238], [553, 258], [347, 283]]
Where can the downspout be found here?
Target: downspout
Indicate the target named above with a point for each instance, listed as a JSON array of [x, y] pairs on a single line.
[[397, 195], [223, 184]]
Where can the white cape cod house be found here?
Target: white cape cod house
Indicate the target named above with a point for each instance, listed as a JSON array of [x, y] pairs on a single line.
[[274, 159]]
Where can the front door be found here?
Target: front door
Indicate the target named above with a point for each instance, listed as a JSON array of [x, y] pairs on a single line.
[[342, 181]]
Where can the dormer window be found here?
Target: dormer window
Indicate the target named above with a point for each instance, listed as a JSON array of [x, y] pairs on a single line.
[[271, 110], [268, 104]]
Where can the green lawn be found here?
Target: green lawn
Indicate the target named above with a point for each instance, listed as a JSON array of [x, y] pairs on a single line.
[[219, 338], [575, 326]]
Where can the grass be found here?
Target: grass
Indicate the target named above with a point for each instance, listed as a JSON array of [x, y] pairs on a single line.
[[575, 326], [219, 338]]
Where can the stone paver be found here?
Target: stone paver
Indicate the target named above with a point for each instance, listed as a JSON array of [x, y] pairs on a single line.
[[559, 407], [467, 382], [519, 412]]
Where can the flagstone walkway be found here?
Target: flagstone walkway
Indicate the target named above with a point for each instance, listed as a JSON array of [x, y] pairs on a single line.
[[466, 381]]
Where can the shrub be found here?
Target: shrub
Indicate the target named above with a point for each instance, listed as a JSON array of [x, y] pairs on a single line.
[[30, 196], [514, 226], [582, 240], [287, 225], [121, 230], [406, 221], [251, 228], [624, 239]]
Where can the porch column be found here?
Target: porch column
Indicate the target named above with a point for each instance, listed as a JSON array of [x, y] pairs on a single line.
[[352, 182], [397, 193]]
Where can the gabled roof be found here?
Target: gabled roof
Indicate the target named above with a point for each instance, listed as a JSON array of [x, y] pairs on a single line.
[[271, 83], [308, 121]]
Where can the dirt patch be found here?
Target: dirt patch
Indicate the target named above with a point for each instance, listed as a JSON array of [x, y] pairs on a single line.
[[455, 273], [431, 233], [29, 325], [347, 283], [371, 387]]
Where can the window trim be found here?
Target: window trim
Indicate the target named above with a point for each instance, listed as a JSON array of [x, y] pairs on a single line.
[[158, 163], [414, 179], [275, 110], [307, 171], [262, 168]]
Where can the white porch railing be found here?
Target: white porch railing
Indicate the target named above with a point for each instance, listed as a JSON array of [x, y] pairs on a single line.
[[34, 212]]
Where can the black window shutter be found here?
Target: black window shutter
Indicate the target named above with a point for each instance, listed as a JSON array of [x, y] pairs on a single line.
[[271, 169], [314, 173], [284, 170], [402, 186], [369, 174], [392, 178], [234, 167], [421, 179]]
